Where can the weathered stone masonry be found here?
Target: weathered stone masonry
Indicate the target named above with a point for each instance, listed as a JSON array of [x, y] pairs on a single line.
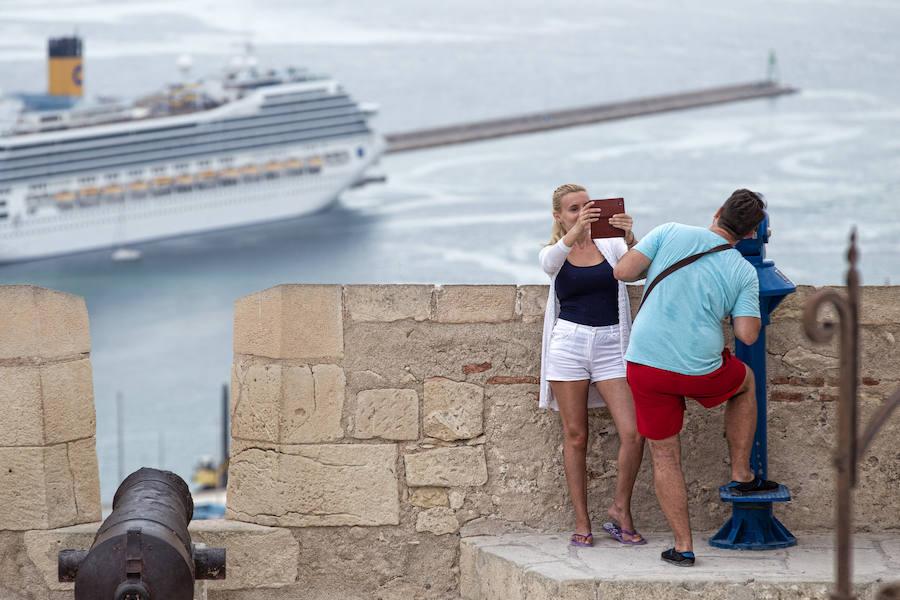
[[373, 426], [425, 403]]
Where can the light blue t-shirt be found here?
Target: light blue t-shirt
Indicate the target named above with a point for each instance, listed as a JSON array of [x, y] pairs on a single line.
[[679, 327]]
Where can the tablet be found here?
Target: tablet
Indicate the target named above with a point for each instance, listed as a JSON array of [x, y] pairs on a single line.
[[608, 207]]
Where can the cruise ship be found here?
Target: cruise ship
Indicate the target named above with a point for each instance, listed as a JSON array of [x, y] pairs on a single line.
[[250, 147]]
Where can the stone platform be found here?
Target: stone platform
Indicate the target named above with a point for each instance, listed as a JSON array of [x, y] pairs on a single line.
[[541, 567]]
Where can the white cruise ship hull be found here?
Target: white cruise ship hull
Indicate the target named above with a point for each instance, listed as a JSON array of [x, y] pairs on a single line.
[[177, 213]]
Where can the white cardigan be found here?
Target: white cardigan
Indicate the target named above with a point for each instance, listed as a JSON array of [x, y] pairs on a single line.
[[552, 259]]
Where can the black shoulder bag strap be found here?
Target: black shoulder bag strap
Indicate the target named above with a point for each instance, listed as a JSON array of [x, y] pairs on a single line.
[[681, 263]]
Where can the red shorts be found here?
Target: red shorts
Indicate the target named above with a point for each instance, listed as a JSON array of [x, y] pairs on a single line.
[[659, 394]]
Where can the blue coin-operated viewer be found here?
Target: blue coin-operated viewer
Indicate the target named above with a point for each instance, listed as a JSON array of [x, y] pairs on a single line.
[[753, 525]]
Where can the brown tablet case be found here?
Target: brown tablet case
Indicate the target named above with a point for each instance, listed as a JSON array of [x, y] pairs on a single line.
[[609, 207]]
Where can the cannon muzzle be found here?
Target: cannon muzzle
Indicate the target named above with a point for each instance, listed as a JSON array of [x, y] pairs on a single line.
[[143, 550]]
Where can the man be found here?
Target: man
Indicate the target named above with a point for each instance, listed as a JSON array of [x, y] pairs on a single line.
[[676, 350]]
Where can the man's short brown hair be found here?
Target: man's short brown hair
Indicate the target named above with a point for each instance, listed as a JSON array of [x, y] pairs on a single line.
[[742, 212]]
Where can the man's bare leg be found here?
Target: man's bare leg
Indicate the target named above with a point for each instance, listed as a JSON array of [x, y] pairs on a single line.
[[671, 491], [740, 427]]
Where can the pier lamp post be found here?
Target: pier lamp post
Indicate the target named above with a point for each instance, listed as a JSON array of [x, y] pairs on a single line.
[[753, 525]]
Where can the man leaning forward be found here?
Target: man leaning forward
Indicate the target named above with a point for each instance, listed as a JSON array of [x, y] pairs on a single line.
[[677, 349]]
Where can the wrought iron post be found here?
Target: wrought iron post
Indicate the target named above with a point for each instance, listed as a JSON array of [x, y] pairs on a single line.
[[849, 451]]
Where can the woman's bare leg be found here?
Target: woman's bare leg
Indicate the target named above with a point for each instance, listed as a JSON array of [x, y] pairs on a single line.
[[631, 449], [571, 396]]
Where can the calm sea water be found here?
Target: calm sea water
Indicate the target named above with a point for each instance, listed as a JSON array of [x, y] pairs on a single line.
[[827, 159]]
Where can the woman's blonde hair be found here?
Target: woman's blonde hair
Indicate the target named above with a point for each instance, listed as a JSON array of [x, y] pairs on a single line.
[[557, 231]]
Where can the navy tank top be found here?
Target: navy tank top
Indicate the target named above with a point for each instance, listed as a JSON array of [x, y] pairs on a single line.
[[588, 295]]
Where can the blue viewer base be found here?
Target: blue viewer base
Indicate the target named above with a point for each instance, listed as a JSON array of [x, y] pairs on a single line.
[[752, 525]]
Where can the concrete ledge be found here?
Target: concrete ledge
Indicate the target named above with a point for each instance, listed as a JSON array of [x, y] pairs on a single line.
[[541, 567]]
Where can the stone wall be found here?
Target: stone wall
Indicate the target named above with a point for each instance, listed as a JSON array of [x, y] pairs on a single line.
[[373, 426], [380, 423], [48, 460]]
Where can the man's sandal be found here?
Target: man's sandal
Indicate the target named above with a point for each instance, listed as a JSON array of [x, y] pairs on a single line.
[[680, 559], [756, 485]]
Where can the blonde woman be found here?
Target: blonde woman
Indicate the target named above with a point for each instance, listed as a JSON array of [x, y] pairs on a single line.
[[586, 328]]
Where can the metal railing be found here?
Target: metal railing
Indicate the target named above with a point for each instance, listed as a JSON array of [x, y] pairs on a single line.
[[851, 446]]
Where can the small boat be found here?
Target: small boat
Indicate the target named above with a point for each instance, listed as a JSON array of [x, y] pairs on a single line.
[[209, 495], [126, 255]]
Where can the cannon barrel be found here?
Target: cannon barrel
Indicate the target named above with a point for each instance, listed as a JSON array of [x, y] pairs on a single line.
[[143, 550]]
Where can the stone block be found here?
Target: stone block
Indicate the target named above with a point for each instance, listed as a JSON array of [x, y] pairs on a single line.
[[402, 354], [879, 305], [256, 396], [438, 520], [39, 323], [291, 321], [323, 485], [447, 467], [810, 362], [388, 563], [82, 455], [39, 489], [537, 586], [391, 414], [22, 489], [43, 546], [533, 301], [310, 416], [635, 293], [257, 556], [429, 497], [286, 404], [452, 410], [475, 303], [59, 487], [21, 403], [469, 587], [498, 579], [385, 303], [456, 498], [68, 399], [46, 404]]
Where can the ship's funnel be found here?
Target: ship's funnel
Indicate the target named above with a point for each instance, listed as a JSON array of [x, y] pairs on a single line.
[[65, 71]]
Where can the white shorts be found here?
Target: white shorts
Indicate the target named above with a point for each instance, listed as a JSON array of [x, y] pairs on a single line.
[[578, 352]]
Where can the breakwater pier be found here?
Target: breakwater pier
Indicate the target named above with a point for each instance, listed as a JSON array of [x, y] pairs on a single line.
[[555, 119]]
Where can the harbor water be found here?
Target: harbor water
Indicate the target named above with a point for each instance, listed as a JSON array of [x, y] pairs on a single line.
[[827, 159]]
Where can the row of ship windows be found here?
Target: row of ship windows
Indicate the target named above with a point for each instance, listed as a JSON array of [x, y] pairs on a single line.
[[141, 143], [180, 152], [183, 182], [336, 106], [242, 199], [179, 168]]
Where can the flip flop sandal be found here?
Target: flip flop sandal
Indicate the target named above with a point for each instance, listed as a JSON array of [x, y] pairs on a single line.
[[616, 532], [584, 541]]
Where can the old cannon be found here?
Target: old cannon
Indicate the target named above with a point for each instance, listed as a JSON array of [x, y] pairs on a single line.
[[143, 550]]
